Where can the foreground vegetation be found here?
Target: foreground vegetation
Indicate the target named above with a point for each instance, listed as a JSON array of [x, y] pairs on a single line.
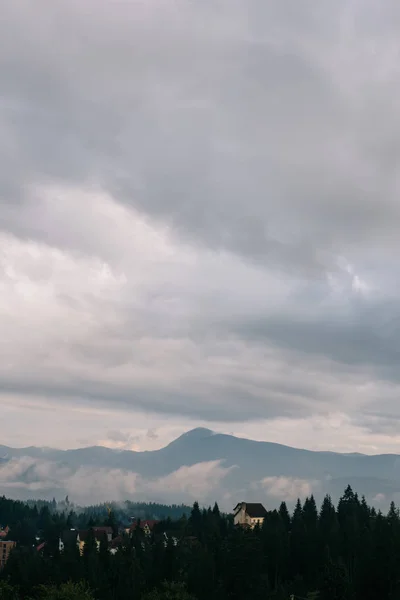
[[347, 552]]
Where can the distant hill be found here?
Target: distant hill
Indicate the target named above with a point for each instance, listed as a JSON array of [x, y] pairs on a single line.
[[199, 464]]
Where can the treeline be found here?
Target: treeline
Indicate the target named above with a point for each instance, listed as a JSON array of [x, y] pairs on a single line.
[[343, 552], [42, 519], [124, 511]]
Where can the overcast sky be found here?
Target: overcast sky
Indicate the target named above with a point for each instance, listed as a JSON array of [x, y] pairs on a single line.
[[199, 221]]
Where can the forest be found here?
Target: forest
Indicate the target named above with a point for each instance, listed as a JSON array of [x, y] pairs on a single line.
[[345, 552]]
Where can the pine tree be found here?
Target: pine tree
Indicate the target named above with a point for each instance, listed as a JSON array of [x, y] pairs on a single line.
[[91, 558], [335, 581], [216, 511], [328, 532], [71, 520], [310, 549], [297, 541], [195, 521], [112, 522], [285, 516], [348, 515]]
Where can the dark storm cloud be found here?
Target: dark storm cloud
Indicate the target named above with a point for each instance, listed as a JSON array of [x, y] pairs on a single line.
[[366, 335], [214, 400]]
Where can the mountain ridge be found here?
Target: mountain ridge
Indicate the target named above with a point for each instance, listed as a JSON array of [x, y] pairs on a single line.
[[198, 464], [196, 433]]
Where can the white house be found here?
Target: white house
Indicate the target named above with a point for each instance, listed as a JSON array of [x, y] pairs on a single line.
[[249, 514]]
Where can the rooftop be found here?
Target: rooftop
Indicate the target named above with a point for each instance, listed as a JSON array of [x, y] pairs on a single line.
[[255, 510]]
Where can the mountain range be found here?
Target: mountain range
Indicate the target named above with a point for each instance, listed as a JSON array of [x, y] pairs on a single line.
[[200, 465]]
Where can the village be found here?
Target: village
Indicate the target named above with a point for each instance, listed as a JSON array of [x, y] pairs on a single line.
[[244, 514], [151, 551]]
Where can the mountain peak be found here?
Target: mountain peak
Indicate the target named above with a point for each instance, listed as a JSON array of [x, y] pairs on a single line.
[[198, 433]]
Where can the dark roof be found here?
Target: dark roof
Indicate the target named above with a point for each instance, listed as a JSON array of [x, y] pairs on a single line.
[[255, 510], [116, 542], [100, 531], [99, 534]]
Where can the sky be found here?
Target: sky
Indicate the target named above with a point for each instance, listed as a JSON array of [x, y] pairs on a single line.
[[199, 209]]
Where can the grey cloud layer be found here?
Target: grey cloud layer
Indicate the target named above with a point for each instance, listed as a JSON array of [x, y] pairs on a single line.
[[199, 205], [250, 134], [27, 477]]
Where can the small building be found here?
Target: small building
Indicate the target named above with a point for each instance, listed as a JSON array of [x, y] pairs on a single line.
[[249, 514], [101, 534], [73, 536], [5, 550], [147, 526]]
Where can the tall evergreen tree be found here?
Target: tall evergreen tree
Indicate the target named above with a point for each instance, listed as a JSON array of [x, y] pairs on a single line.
[[196, 521], [285, 516]]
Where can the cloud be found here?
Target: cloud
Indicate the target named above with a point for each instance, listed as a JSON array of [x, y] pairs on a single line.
[[379, 498], [124, 440], [202, 482], [198, 214], [207, 482], [289, 488], [121, 440], [26, 477], [194, 142], [117, 333]]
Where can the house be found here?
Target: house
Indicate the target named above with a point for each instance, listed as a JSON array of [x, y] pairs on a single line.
[[5, 550], [73, 536], [100, 534], [103, 531], [147, 526], [249, 514]]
